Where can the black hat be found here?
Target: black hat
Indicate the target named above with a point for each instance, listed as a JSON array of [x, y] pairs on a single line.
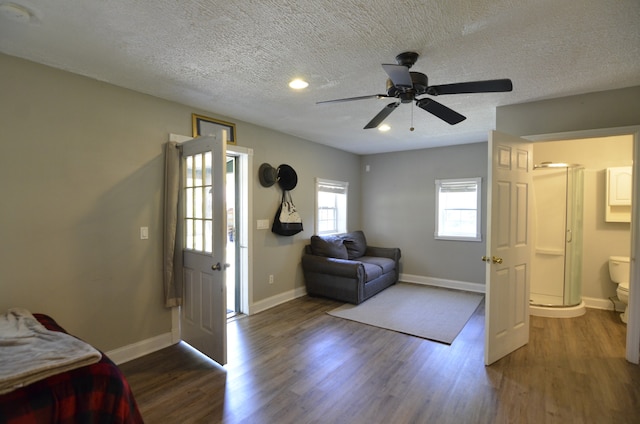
[[267, 175], [287, 177]]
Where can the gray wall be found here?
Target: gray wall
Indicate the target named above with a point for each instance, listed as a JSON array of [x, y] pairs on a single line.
[[604, 109], [280, 256], [81, 171], [398, 207]]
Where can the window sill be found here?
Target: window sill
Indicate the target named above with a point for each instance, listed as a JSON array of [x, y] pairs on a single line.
[[457, 238]]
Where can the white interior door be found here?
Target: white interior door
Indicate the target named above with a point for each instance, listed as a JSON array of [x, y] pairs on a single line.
[[203, 319], [508, 245]]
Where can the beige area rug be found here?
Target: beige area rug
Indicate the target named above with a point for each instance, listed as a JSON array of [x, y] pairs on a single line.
[[424, 311]]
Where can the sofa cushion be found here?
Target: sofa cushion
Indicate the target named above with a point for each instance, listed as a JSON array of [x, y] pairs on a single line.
[[371, 271], [356, 244], [386, 264], [329, 246]]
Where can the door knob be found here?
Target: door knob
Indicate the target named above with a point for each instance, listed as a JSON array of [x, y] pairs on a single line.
[[219, 267], [493, 259]]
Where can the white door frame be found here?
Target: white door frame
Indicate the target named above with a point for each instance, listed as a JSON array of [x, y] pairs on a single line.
[[245, 216], [633, 324]]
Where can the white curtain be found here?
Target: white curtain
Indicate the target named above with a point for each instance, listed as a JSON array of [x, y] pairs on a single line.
[[172, 250]]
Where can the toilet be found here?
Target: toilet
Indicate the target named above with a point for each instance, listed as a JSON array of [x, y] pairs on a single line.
[[619, 273]]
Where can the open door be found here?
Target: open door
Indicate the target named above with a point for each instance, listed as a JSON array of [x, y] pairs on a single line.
[[508, 245], [203, 319]]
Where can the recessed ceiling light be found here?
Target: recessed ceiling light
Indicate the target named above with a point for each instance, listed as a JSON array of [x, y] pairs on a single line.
[[298, 84], [384, 128]]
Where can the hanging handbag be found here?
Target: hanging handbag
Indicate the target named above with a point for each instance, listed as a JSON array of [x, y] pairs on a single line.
[[287, 221]]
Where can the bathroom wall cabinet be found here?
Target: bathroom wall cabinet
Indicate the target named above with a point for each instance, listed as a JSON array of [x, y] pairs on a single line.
[[618, 201]]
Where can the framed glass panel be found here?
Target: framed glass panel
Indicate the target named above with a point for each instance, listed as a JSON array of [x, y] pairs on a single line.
[[198, 166], [189, 171], [203, 125], [197, 235], [198, 202], [208, 169], [208, 232], [188, 233]]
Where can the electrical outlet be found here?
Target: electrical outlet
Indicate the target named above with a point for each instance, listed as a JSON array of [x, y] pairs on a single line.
[[271, 279]]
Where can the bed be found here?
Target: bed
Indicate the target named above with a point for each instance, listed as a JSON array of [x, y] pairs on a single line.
[[96, 393]]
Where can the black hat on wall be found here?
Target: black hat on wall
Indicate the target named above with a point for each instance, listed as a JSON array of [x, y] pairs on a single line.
[[287, 177], [267, 174]]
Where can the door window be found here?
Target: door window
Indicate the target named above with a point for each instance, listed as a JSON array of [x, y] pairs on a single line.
[[198, 219]]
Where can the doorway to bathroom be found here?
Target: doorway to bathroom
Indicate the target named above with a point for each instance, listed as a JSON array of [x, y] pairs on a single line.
[[570, 266]]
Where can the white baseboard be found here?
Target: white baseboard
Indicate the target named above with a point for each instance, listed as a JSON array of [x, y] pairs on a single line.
[[268, 303], [596, 303], [440, 282], [590, 302], [141, 348], [263, 305]]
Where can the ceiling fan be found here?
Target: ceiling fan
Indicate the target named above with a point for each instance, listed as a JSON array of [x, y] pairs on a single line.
[[406, 86]]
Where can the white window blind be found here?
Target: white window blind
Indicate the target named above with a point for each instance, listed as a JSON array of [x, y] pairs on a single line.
[[458, 209], [331, 206]]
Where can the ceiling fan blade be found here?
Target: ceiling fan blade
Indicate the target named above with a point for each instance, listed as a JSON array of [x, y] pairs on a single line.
[[349, 99], [441, 111], [489, 86], [382, 115], [399, 75]]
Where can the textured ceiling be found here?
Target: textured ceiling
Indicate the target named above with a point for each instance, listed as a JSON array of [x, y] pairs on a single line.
[[235, 57]]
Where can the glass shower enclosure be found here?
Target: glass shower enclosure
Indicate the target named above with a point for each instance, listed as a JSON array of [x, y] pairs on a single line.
[[556, 271]]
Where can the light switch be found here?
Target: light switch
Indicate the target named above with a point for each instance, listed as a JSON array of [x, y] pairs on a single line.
[[262, 224], [144, 233]]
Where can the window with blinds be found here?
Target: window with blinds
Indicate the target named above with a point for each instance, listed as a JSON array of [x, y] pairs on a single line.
[[331, 206], [458, 209]]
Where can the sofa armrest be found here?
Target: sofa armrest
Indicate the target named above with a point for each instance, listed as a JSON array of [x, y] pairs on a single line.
[[384, 252], [332, 266]]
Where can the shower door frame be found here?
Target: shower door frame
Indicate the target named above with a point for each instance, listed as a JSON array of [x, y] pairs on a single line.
[[574, 221]]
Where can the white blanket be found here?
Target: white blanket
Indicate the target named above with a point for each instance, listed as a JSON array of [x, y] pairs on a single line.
[[29, 352]]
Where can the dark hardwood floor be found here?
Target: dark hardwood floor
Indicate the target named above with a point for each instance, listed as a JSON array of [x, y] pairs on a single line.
[[296, 364]]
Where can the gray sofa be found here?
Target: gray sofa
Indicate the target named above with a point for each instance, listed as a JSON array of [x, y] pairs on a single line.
[[343, 267]]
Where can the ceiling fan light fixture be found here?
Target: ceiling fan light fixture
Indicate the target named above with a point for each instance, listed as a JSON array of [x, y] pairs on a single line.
[[384, 128], [298, 84]]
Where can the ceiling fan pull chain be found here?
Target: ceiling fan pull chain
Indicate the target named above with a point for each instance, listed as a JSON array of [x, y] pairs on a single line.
[[411, 128]]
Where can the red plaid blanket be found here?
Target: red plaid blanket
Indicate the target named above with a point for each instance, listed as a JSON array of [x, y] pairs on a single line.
[[97, 393]]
